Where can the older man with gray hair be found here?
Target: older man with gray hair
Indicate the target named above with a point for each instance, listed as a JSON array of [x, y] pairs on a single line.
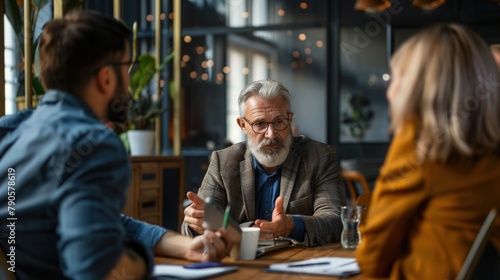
[[290, 186]]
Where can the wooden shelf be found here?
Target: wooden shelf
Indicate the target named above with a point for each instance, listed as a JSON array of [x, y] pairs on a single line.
[[156, 191]]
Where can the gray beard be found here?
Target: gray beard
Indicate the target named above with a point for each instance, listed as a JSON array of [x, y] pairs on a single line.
[[270, 158]]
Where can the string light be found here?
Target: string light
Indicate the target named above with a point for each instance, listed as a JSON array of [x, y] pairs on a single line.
[[281, 12], [187, 39]]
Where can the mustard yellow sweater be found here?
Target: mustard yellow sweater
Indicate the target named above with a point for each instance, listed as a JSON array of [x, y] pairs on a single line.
[[424, 217]]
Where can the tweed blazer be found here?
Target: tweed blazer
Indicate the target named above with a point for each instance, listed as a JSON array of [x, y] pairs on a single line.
[[311, 184]]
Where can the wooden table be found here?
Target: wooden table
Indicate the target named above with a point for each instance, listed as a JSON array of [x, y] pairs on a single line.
[[255, 269]]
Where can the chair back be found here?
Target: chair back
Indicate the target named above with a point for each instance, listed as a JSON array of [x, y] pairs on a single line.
[[356, 183], [5, 273], [369, 167], [364, 200], [483, 259]]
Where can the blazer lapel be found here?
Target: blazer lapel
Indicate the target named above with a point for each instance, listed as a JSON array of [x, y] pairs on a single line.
[[248, 185], [288, 174]]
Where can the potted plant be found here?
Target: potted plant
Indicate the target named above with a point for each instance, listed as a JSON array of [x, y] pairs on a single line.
[[359, 115], [14, 13], [144, 107]]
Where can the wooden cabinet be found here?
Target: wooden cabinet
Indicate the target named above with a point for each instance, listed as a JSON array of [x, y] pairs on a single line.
[[156, 191]]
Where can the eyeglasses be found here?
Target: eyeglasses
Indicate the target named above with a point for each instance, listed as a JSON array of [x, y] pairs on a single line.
[[261, 127], [132, 65]]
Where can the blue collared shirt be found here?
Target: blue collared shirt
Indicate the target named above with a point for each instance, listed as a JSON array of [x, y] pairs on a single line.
[[71, 177], [267, 190]]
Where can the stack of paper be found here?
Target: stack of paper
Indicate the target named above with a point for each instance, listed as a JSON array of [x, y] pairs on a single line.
[[332, 266], [178, 271]]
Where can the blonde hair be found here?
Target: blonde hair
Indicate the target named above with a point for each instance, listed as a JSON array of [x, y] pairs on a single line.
[[450, 87]]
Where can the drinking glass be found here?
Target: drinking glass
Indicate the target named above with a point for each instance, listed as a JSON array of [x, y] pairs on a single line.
[[351, 216]]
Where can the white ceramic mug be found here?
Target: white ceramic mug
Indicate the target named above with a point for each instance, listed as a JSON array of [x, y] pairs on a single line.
[[247, 248]]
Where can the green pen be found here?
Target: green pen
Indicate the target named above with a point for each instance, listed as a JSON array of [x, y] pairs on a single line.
[[226, 217]]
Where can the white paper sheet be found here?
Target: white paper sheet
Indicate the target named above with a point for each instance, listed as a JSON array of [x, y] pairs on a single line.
[[332, 266]]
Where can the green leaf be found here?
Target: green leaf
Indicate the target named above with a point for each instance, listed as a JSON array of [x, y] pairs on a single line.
[[39, 4], [13, 14], [37, 86], [166, 60], [36, 56], [143, 74]]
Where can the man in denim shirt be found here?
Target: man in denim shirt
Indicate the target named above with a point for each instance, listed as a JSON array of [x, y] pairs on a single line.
[[67, 174]]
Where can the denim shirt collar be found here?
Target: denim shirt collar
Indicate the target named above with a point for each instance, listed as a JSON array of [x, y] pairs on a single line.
[[52, 97]]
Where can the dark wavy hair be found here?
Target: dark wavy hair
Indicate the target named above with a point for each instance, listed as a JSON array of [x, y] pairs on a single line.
[[73, 47]]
